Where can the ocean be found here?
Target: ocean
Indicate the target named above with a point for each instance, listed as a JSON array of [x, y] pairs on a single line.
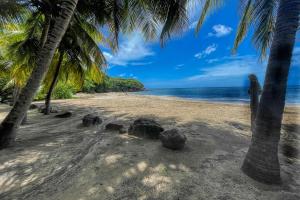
[[218, 94]]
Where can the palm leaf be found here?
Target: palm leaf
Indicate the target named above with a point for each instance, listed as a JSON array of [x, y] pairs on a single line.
[[209, 6], [246, 18]]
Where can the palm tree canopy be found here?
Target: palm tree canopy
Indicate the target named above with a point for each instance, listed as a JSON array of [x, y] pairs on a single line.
[[261, 14]]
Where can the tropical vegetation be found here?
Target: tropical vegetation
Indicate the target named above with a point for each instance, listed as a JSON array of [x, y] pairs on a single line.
[[111, 84]]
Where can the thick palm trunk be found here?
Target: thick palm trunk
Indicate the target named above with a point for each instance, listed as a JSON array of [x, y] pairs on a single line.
[[16, 94], [12, 121], [261, 162], [52, 86]]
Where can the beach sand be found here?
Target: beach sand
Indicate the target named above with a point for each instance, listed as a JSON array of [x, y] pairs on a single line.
[[59, 159]]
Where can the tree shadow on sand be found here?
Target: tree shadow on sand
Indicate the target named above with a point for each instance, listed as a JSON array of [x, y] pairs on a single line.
[[59, 159]]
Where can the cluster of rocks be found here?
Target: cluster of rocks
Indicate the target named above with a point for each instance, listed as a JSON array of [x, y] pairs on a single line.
[[143, 127], [149, 128]]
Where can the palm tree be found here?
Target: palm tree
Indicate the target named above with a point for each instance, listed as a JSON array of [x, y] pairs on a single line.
[[277, 22], [61, 22], [78, 56]]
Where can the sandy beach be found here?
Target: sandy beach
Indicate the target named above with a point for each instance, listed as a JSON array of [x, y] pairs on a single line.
[[59, 159]]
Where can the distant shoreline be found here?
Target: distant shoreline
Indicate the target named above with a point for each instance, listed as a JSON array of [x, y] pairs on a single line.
[[228, 95], [242, 103]]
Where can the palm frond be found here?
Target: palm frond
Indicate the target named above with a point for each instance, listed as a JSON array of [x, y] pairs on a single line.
[[13, 12], [265, 12], [246, 19], [176, 19], [208, 7]]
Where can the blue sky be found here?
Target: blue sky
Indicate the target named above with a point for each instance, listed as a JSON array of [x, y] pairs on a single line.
[[188, 60]]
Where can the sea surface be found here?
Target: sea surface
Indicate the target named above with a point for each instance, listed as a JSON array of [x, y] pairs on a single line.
[[218, 94]]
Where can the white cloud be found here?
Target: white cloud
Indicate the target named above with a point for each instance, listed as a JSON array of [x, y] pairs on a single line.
[[140, 63], [122, 75], [220, 30], [235, 66], [132, 48], [209, 50], [178, 67], [213, 60]]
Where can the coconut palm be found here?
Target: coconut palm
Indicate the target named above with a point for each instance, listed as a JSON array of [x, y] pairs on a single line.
[[13, 119], [276, 23], [78, 56]]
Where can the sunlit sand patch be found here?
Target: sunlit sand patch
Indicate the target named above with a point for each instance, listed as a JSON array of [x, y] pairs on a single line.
[[142, 166], [111, 159], [28, 180], [6, 180], [130, 172], [92, 190], [28, 157], [110, 189], [158, 182]]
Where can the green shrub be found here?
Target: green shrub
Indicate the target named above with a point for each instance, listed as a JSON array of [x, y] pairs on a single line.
[[114, 85], [63, 91], [88, 86], [3, 82]]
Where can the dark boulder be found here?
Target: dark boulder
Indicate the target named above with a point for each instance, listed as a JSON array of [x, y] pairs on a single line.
[[64, 115], [172, 139], [90, 120], [147, 128], [123, 130], [114, 126], [33, 106]]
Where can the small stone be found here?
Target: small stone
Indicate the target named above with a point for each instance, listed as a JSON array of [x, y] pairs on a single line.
[[90, 120], [123, 130], [172, 139], [64, 115], [33, 106], [114, 126]]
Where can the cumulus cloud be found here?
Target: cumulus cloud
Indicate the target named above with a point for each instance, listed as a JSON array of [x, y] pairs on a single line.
[[209, 50], [235, 66], [178, 67], [140, 63], [213, 60], [132, 48], [220, 30]]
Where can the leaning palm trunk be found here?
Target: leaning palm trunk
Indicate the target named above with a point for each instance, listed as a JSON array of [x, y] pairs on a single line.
[[16, 94], [12, 121], [52, 85], [261, 162]]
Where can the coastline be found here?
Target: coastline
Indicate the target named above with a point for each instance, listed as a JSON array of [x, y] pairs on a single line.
[[203, 100]]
